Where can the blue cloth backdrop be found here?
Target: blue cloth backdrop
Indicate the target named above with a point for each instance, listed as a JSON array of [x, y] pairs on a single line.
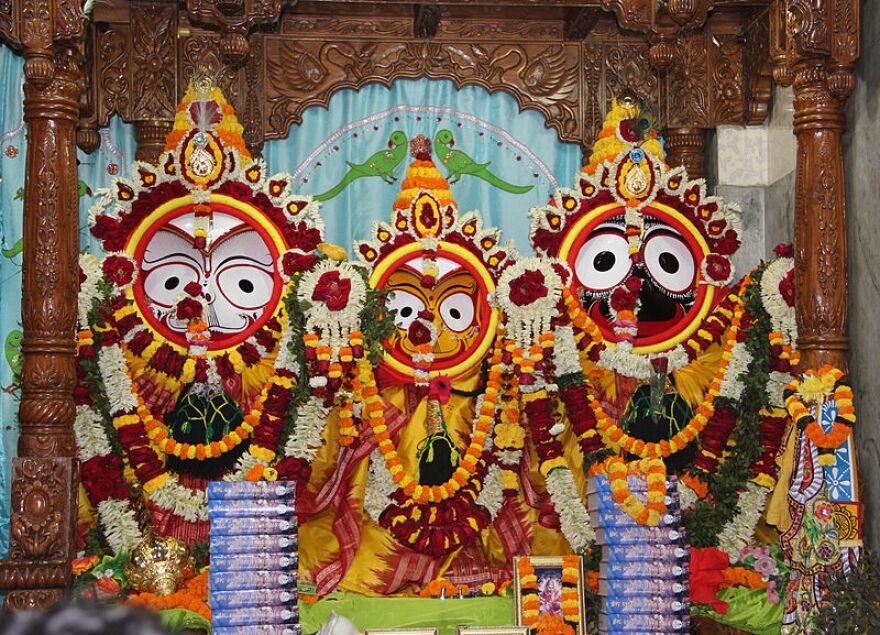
[[489, 128]]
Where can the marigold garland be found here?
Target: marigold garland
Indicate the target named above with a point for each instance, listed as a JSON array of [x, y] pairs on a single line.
[[422, 494], [814, 388], [192, 597], [654, 471]]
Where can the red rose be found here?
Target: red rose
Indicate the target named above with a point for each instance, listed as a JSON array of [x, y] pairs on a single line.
[[728, 244], [187, 309], [131, 435], [784, 250], [99, 490], [527, 288], [141, 455], [786, 288], [629, 130], [118, 270], [634, 283], [193, 288], [623, 300], [717, 267], [419, 333], [293, 469], [295, 261], [333, 290]]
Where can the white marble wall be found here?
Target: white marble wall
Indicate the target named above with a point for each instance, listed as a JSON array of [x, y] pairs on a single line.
[[862, 157]]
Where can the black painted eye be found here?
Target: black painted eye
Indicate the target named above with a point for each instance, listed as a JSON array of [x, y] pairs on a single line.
[[406, 305], [603, 261], [172, 282], [669, 262], [246, 285]]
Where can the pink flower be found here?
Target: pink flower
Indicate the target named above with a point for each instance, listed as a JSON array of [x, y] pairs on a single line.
[[765, 566]]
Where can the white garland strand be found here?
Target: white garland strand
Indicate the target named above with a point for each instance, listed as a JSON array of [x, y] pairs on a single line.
[[88, 289], [120, 524], [492, 495], [629, 364], [732, 386], [686, 495], [565, 353], [776, 383], [574, 521], [380, 486], [117, 384], [739, 530], [91, 438], [782, 316], [305, 441], [192, 505]]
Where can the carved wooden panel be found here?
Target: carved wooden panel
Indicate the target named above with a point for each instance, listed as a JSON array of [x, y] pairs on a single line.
[[154, 38], [728, 75], [202, 50], [627, 66], [302, 73], [113, 81], [689, 85]]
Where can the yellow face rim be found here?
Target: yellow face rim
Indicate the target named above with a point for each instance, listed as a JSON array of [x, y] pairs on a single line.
[[401, 255], [171, 206], [708, 298]]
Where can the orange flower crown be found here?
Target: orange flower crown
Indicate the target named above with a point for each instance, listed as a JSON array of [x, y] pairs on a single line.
[[628, 170], [426, 213], [205, 155]]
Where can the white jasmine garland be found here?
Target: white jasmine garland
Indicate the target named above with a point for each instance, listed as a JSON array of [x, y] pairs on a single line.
[[334, 326], [557, 428], [686, 495], [380, 486], [191, 505], [245, 463], [91, 438], [305, 441], [630, 364], [574, 521], [782, 316], [491, 497], [509, 457], [565, 352], [732, 386], [776, 383], [526, 323], [119, 524], [117, 384], [88, 289], [738, 532]]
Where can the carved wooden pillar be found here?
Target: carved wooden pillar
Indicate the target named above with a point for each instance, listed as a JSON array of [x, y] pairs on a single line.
[[150, 136], [44, 476], [820, 218], [687, 147]]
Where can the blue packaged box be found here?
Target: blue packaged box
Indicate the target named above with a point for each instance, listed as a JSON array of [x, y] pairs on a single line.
[[605, 518], [255, 562], [233, 526], [637, 535], [646, 604], [672, 552], [243, 580], [642, 569], [258, 597], [269, 543], [624, 588], [260, 629], [225, 490], [645, 622], [248, 616], [249, 508]]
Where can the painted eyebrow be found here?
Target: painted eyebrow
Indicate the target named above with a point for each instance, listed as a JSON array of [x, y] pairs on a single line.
[[167, 256], [240, 257]]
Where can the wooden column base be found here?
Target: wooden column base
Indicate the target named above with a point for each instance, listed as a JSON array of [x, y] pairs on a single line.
[[687, 147]]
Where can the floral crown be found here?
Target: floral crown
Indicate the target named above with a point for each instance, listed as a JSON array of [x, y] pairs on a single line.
[[205, 155], [426, 213], [627, 169]]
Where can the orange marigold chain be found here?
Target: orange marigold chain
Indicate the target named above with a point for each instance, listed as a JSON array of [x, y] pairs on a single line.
[[813, 389], [422, 494], [615, 437], [654, 471]]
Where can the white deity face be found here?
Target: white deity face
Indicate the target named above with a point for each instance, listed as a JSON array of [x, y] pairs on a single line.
[[236, 270]]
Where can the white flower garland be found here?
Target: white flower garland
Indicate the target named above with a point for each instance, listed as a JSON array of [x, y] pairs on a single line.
[[574, 521], [305, 441], [91, 438], [117, 384], [565, 352], [526, 323], [120, 524], [776, 383], [88, 289], [738, 532], [732, 386], [491, 497], [334, 326], [782, 317], [686, 495], [638, 366], [380, 487], [190, 504]]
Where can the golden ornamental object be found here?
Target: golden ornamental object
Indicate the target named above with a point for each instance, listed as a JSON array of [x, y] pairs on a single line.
[[159, 564]]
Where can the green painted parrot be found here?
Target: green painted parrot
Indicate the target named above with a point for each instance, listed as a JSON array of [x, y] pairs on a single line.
[[83, 188], [381, 164], [459, 163], [12, 348], [13, 251]]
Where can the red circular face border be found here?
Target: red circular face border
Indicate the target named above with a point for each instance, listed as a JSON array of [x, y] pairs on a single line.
[[180, 338], [485, 311], [693, 245]]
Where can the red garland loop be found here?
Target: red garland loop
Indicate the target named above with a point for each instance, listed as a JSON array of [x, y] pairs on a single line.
[[539, 414], [770, 437], [267, 432], [438, 529], [714, 437], [102, 479], [582, 418]]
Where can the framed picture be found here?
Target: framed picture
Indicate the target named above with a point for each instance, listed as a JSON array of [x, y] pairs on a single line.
[[493, 630], [549, 593], [401, 631]]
